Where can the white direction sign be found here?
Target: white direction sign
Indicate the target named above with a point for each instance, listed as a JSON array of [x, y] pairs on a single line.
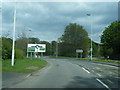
[[36, 48], [79, 50]]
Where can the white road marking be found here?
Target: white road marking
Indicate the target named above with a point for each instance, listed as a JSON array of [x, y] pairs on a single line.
[[109, 81], [28, 75], [103, 84], [107, 65], [99, 74], [85, 70]]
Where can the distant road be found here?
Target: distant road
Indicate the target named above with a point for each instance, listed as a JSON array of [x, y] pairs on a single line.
[[65, 73]]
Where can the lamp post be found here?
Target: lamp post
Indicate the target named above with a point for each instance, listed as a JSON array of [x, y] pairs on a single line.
[[13, 45], [99, 45], [57, 48], [91, 35], [28, 42]]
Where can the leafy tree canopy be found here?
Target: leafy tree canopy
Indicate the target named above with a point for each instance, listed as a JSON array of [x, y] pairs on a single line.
[[111, 40], [74, 37]]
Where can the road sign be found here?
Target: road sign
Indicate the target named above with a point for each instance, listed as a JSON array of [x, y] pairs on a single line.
[[79, 50], [36, 48]]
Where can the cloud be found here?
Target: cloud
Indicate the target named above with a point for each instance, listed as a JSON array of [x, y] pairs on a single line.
[[48, 19]]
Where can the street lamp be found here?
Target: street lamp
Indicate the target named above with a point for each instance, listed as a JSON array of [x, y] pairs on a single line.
[[13, 45], [57, 48], [58, 40], [99, 46], [28, 42], [91, 35]]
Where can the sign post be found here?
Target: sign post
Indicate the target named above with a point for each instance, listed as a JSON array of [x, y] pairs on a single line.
[[36, 48], [79, 51]]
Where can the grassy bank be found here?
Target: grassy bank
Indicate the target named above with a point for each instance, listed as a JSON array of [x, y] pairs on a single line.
[[61, 57], [23, 65], [102, 60]]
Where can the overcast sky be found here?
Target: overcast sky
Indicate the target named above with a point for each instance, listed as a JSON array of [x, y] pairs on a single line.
[[47, 20]]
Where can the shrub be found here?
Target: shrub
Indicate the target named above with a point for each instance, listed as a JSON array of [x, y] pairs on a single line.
[[19, 54]]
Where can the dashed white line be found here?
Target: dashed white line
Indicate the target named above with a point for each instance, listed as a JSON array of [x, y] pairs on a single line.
[[28, 75], [103, 84], [85, 70]]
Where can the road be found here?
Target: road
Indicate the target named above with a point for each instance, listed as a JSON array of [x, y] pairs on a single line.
[[65, 73]]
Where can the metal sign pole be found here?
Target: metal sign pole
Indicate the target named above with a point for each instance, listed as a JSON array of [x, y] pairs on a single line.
[[77, 55], [27, 51], [41, 54], [31, 54], [81, 54]]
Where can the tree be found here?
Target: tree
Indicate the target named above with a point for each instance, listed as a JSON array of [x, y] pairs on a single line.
[[6, 34], [33, 40], [47, 47], [6, 48], [53, 47], [21, 43], [96, 49], [111, 41], [74, 37]]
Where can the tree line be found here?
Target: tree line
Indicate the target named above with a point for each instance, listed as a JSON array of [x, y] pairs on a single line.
[[74, 37]]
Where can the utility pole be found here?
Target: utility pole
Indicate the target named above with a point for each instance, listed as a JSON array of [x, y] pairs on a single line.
[[57, 48], [91, 49], [13, 45], [99, 46], [28, 42], [51, 49]]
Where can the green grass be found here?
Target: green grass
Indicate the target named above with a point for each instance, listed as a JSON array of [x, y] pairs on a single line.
[[61, 57], [102, 60], [21, 65]]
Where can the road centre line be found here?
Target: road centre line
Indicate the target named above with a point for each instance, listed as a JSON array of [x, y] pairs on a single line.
[[103, 83], [99, 74], [107, 65], [109, 81], [98, 68], [85, 70], [117, 77], [28, 76]]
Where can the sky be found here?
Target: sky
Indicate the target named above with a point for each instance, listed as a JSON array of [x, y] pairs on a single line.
[[47, 20]]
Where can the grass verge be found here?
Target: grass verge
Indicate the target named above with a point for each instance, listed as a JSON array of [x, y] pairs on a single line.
[[23, 65], [103, 60], [61, 57]]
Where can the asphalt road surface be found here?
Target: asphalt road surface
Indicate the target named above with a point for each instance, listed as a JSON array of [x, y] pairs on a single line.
[[65, 73]]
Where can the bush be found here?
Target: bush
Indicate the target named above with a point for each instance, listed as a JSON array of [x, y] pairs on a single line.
[[19, 54], [6, 48]]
